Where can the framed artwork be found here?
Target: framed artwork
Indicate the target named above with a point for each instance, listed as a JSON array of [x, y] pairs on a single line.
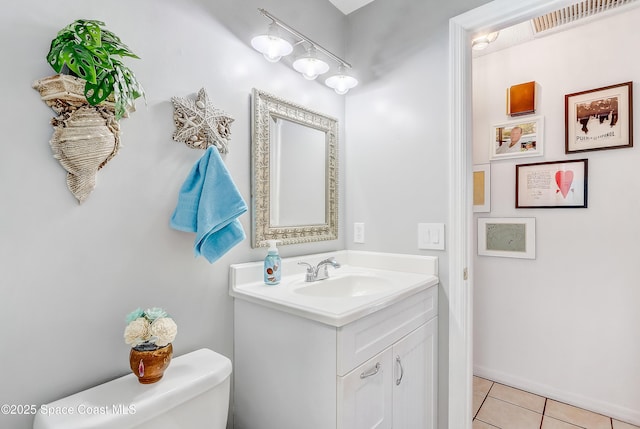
[[521, 99], [599, 119], [482, 188], [507, 237], [552, 184], [517, 139]]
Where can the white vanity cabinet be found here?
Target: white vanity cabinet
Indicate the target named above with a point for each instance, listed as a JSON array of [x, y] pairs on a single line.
[[415, 387], [379, 371], [395, 389]]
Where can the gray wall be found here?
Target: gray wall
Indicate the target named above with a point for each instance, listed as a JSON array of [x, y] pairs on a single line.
[[397, 134], [69, 274]]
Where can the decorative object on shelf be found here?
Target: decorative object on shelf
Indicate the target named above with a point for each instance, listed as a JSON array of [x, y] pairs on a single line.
[[521, 99], [599, 119], [199, 124], [507, 237], [517, 139], [150, 334], [559, 184], [92, 91], [482, 188], [309, 64]]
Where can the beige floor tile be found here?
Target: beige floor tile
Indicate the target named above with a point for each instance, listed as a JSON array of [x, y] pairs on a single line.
[[622, 425], [481, 387], [576, 416], [518, 397], [477, 424], [481, 384], [508, 416], [551, 423]]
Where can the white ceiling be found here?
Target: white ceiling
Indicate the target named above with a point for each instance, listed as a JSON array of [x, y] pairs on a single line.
[[348, 6], [511, 36], [588, 12]]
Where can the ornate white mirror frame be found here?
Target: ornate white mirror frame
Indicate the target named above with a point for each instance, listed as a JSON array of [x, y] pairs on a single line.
[[266, 108]]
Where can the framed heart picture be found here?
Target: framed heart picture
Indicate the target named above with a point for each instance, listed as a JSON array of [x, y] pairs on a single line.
[[559, 184]]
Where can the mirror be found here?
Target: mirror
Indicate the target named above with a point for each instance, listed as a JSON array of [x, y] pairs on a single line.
[[294, 163]]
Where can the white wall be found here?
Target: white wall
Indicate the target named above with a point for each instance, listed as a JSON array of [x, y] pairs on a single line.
[[69, 274], [565, 324], [397, 132]]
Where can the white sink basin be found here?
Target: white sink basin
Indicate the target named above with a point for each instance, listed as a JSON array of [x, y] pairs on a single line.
[[343, 286], [365, 283]]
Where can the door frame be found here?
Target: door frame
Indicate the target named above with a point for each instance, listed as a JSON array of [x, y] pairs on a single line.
[[492, 16]]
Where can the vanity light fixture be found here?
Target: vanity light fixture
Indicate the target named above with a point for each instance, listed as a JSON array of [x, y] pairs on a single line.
[[480, 43], [273, 47], [341, 82], [310, 65]]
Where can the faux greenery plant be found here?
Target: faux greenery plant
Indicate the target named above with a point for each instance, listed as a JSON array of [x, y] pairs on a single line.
[[92, 52]]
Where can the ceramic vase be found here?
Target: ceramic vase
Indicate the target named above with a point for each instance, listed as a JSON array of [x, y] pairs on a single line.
[[149, 365]]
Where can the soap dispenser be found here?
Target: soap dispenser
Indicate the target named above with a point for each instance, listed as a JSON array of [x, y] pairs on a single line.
[[272, 264]]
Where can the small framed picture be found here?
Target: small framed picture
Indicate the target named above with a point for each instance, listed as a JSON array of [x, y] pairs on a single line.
[[517, 139], [482, 188], [552, 184], [599, 119], [507, 237]]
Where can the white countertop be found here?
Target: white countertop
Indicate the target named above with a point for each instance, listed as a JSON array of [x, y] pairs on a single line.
[[408, 274]]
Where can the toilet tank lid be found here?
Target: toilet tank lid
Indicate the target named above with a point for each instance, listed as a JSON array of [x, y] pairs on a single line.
[[124, 402]]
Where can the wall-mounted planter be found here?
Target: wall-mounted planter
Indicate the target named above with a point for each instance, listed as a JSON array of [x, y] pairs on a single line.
[[85, 137]]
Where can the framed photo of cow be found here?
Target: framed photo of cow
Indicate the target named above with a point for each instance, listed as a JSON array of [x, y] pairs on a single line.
[[599, 119]]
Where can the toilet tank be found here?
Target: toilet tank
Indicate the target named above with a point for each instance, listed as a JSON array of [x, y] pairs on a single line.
[[194, 393]]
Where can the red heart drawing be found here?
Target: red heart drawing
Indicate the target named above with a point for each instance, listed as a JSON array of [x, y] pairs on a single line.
[[564, 180]]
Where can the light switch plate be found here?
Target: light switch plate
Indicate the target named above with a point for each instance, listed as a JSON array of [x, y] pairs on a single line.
[[431, 236], [358, 232]]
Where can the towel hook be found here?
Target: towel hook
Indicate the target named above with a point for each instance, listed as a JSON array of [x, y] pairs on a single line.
[[199, 124]]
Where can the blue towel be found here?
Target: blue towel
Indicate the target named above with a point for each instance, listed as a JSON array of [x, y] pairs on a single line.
[[209, 205]]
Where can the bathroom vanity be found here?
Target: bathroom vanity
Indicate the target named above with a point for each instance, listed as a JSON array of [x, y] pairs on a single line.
[[358, 350]]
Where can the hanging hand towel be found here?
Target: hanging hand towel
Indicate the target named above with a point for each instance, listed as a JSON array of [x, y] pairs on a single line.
[[209, 205]]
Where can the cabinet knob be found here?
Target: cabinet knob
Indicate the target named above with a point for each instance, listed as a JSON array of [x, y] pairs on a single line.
[[373, 371]]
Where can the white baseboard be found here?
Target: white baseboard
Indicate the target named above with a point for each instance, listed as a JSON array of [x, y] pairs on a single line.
[[608, 409]]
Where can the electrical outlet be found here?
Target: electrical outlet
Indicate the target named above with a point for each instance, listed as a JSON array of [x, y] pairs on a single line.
[[358, 232]]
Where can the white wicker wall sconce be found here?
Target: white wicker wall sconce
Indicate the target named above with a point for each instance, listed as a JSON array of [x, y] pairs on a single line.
[[85, 137], [91, 92]]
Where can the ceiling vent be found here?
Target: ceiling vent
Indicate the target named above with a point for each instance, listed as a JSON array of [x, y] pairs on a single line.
[[569, 14]]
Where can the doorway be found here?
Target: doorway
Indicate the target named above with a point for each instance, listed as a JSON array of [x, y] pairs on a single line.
[[492, 16]]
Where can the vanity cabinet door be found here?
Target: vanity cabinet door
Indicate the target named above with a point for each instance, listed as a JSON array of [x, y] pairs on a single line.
[[415, 382], [365, 394]]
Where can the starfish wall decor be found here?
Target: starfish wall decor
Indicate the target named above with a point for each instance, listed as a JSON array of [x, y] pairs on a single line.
[[199, 124]]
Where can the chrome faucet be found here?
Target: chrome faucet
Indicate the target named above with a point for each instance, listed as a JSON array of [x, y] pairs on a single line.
[[320, 272]]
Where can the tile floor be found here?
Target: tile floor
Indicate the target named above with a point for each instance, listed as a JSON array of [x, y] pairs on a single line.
[[496, 406]]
